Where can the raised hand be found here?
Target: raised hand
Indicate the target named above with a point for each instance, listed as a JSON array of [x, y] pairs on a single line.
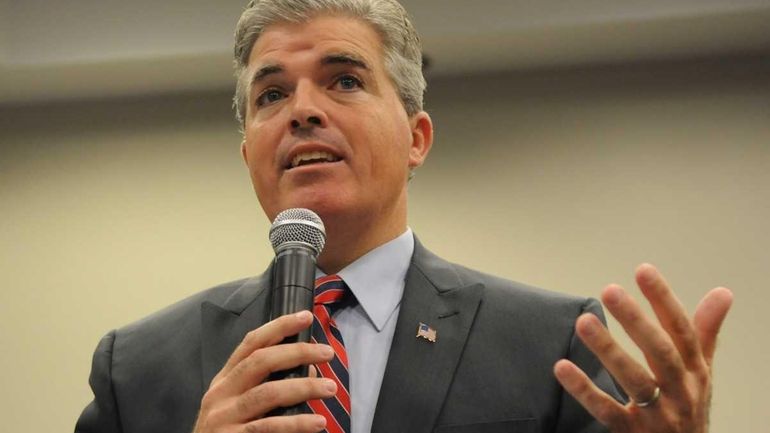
[[673, 393], [239, 398]]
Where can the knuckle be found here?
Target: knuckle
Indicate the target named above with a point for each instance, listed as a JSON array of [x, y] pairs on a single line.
[[267, 392], [240, 370], [670, 359], [582, 388], [209, 417], [218, 378], [604, 413], [256, 362], [216, 416], [671, 423], [703, 379], [633, 316], [673, 371], [686, 411], [318, 387], [615, 358], [251, 338], [307, 350], [680, 326], [606, 345], [688, 403], [269, 425], [638, 383], [208, 400], [244, 403], [257, 427]]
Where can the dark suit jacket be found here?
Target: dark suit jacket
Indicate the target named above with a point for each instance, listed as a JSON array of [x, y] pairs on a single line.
[[490, 369]]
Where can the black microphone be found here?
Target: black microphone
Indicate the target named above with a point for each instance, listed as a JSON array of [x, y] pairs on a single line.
[[298, 236]]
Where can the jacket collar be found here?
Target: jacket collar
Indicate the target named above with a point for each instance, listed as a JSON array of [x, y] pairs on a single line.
[[225, 326], [419, 373]]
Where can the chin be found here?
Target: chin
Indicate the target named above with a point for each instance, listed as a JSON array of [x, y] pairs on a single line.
[[330, 211], [327, 204]]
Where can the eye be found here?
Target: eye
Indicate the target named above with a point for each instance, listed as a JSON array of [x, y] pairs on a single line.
[[348, 82], [269, 96]]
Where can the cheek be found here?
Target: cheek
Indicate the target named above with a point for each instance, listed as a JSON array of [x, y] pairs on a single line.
[[260, 147], [259, 169], [396, 139]]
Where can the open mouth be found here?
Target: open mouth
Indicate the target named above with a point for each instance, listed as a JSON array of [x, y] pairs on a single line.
[[308, 158]]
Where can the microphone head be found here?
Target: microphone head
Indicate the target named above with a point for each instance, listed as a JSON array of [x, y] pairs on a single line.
[[298, 226]]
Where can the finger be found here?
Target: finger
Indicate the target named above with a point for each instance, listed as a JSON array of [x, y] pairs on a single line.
[[260, 364], [305, 423], [261, 399], [671, 314], [597, 402], [269, 334], [631, 375], [312, 371], [709, 316], [661, 354]]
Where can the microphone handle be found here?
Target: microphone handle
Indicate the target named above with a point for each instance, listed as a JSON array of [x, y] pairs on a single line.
[[292, 292]]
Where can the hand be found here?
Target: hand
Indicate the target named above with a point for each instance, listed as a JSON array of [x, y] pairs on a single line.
[[239, 398], [679, 354]]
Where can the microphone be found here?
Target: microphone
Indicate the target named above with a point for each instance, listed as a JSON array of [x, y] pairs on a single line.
[[298, 237]]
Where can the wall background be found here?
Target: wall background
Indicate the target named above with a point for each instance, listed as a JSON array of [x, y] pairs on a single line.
[[564, 171]]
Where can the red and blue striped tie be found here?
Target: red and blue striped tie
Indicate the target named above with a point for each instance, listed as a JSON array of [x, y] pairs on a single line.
[[329, 293]]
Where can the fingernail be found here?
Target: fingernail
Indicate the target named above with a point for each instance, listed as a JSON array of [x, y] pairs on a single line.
[[320, 422], [330, 386], [302, 315]]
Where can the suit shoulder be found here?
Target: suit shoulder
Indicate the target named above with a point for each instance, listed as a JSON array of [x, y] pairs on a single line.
[[446, 274], [542, 320], [181, 317], [513, 297], [506, 287]]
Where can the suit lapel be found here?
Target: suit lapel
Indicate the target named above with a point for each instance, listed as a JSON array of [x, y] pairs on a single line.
[[419, 373], [225, 326]]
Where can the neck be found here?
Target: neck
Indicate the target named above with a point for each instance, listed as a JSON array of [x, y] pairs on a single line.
[[350, 238]]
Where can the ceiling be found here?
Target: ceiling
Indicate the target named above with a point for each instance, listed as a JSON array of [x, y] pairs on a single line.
[[106, 48]]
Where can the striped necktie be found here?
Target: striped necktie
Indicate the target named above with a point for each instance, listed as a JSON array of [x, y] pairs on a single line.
[[329, 293]]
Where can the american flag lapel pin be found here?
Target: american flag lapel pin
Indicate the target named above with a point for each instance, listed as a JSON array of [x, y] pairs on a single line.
[[426, 332]]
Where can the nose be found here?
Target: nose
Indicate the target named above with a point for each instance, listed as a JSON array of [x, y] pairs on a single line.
[[306, 110]]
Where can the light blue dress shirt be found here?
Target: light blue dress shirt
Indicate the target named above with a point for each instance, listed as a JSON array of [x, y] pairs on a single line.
[[377, 280]]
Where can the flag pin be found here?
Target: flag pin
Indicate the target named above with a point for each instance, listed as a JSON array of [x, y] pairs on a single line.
[[426, 332]]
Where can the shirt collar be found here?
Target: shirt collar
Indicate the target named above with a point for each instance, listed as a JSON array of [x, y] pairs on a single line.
[[377, 278]]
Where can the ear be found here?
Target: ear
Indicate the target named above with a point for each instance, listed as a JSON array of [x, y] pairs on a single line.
[[243, 152], [422, 138]]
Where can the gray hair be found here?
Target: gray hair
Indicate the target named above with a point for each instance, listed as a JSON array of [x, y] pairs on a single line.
[[401, 44]]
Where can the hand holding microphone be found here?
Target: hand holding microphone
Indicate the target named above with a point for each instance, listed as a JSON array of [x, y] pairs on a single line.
[[241, 396]]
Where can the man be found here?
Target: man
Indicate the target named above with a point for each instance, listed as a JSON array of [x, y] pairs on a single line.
[[330, 98]]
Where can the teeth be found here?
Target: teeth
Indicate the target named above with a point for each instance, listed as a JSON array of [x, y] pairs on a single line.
[[313, 156]]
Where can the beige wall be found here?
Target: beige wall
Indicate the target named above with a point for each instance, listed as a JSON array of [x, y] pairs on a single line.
[[566, 180]]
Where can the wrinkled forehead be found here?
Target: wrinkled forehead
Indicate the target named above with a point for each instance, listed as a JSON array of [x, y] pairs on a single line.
[[316, 38]]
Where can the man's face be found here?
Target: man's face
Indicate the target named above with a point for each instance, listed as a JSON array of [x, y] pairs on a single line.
[[324, 127]]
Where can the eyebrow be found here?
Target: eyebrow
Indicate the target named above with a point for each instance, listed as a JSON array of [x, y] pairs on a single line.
[[266, 71], [345, 59], [330, 59]]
